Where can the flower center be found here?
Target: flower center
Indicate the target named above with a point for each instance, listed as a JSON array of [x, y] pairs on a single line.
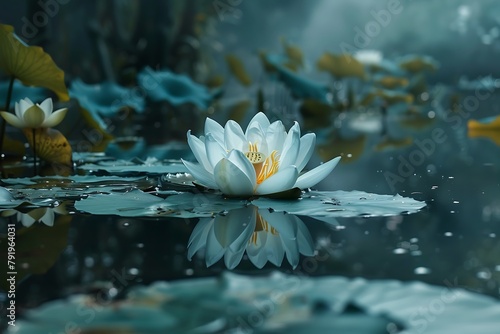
[[264, 166], [261, 225]]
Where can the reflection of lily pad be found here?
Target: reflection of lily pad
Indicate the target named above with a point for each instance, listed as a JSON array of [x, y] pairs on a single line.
[[348, 306]]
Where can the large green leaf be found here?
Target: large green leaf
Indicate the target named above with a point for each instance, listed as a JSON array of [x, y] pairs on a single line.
[[30, 64]]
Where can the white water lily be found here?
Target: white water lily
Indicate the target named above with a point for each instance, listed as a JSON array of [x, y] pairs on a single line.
[[31, 115], [265, 159], [266, 237]]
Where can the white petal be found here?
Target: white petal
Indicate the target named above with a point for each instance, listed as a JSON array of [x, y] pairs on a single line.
[[242, 162], [214, 250], [33, 117], [17, 110], [283, 180], [198, 148], [215, 152], [12, 119], [282, 222], [317, 174], [275, 136], [307, 144], [231, 180], [25, 219], [55, 118], [200, 174], [198, 238], [291, 251], [274, 249], [48, 217], [232, 259], [291, 147], [25, 104], [47, 107], [215, 129], [255, 135], [262, 119], [234, 138], [304, 239]]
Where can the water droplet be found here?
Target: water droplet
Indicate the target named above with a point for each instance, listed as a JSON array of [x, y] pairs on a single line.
[[400, 251], [448, 234], [484, 274], [431, 114], [140, 245], [189, 272], [422, 271], [497, 268], [133, 271], [492, 235], [89, 262], [456, 202], [414, 240], [434, 187]]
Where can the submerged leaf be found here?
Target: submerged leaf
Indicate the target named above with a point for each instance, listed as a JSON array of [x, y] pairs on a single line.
[[30, 64], [51, 146], [238, 69]]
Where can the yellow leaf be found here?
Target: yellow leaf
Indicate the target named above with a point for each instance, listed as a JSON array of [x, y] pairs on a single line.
[[30, 64], [51, 146], [391, 143], [391, 82], [341, 66], [238, 70]]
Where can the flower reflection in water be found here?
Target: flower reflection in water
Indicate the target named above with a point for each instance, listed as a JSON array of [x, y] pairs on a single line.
[[263, 235]]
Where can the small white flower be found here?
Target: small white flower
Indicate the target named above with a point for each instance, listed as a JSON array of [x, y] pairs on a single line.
[[265, 159], [30, 115]]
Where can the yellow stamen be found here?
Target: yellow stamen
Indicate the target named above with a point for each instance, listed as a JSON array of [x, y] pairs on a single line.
[[269, 168], [261, 225], [264, 167]]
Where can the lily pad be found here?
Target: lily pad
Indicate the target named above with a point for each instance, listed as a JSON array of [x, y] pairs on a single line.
[[150, 166], [344, 204], [186, 205], [349, 306], [30, 64]]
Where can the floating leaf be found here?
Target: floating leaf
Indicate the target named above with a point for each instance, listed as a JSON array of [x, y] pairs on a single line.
[[341, 66], [176, 89], [486, 127], [106, 98], [343, 204], [389, 97], [152, 166], [238, 69], [391, 82], [51, 146], [30, 64], [187, 205], [393, 143], [347, 306], [415, 64]]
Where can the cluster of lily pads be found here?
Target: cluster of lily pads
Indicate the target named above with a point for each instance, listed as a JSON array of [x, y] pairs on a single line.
[[276, 303]]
